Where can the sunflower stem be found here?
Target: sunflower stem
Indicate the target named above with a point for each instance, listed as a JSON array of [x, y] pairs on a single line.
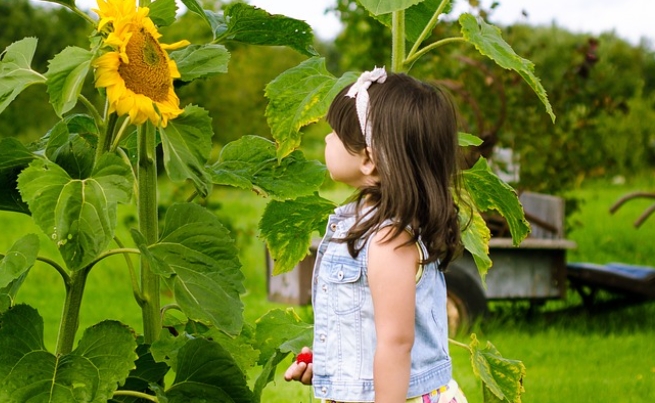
[[147, 207], [70, 318], [397, 41]]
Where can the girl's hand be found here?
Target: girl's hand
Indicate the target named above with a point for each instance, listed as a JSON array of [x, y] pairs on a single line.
[[300, 371]]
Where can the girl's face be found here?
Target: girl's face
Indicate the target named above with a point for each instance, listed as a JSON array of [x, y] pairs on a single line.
[[345, 167]]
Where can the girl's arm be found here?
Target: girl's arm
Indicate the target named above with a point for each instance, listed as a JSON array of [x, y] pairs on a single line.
[[392, 270]]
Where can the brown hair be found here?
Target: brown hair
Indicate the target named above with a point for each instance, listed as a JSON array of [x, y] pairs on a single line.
[[414, 147]]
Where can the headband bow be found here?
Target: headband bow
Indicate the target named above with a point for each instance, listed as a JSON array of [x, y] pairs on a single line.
[[360, 93]]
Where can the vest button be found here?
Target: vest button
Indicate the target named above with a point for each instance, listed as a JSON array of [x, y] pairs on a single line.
[[340, 275], [324, 390], [324, 287], [322, 338], [333, 227]]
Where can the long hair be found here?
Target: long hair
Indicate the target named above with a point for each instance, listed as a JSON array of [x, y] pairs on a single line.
[[414, 147]]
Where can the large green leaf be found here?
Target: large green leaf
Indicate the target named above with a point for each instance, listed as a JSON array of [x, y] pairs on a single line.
[[186, 142], [147, 372], [200, 61], [281, 330], [163, 12], [475, 237], [15, 264], [466, 140], [79, 215], [110, 347], [287, 228], [16, 72], [278, 334], [241, 348], [254, 26], [489, 192], [201, 262], [488, 41], [14, 157], [299, 96], [206, 372], [70, 145], [91, 373], [377, 7], [251, 163], [502, 378], [66, 74], [417, 18]]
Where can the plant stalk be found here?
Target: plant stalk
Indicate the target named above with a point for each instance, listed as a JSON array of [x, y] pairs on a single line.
[[70, 318], [147, 207], [397, 41]]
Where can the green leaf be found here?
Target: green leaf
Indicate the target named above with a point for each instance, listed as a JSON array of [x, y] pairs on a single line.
[[16, 72], [254, 26], [251, 163], [14, 157], [207, 280], [200, 61], [110, 347], [488, 41], [18, 260], [163, 12], [417, 18], [195, 7], [69, 3], [167, 346], [147, 371], [475, 238], [500, 376], [287, 228], [206, 372], [215, 20], [6, 302], [377, 7], [466, 140], [90, 373], [488, 192], [281, 330], [78, 215], [186, 142], [267, 375], [298, 97], [21, 332], [66, 74], [73, 152]]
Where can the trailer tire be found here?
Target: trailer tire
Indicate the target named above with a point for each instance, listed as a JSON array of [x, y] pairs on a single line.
[[466, 301]]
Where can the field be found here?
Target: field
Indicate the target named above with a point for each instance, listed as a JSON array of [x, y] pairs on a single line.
[[571, 354]]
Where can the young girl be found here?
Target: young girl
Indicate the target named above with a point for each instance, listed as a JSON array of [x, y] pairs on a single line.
[[379, 295]]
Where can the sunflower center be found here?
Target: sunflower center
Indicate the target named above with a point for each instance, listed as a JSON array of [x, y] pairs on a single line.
[[147, 72]]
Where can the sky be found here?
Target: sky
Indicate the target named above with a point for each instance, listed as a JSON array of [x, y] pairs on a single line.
[[631, 20]]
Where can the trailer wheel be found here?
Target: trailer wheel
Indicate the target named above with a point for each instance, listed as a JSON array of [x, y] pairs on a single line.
[[466, 300]]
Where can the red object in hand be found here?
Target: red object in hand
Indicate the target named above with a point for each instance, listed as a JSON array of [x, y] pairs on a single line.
[[304, 357]]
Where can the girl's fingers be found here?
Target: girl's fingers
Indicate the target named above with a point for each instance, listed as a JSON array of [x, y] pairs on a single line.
[[306, 377]]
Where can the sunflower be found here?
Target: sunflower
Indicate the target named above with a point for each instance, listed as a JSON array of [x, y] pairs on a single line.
[[136, 72]]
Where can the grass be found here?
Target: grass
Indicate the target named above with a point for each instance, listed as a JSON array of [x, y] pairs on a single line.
[[570, 354]]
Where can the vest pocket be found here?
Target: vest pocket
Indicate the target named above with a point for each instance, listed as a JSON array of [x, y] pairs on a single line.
[[344, 289]]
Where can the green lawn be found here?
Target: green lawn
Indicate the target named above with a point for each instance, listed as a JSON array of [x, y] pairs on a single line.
[[570, 354]]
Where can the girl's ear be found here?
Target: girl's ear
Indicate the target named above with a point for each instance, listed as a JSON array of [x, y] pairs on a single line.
[[368, 167]]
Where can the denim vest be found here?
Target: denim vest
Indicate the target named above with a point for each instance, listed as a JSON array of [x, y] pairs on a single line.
[[344, 328]]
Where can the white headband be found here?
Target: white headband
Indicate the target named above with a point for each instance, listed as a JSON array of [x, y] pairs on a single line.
[[360, 93]]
